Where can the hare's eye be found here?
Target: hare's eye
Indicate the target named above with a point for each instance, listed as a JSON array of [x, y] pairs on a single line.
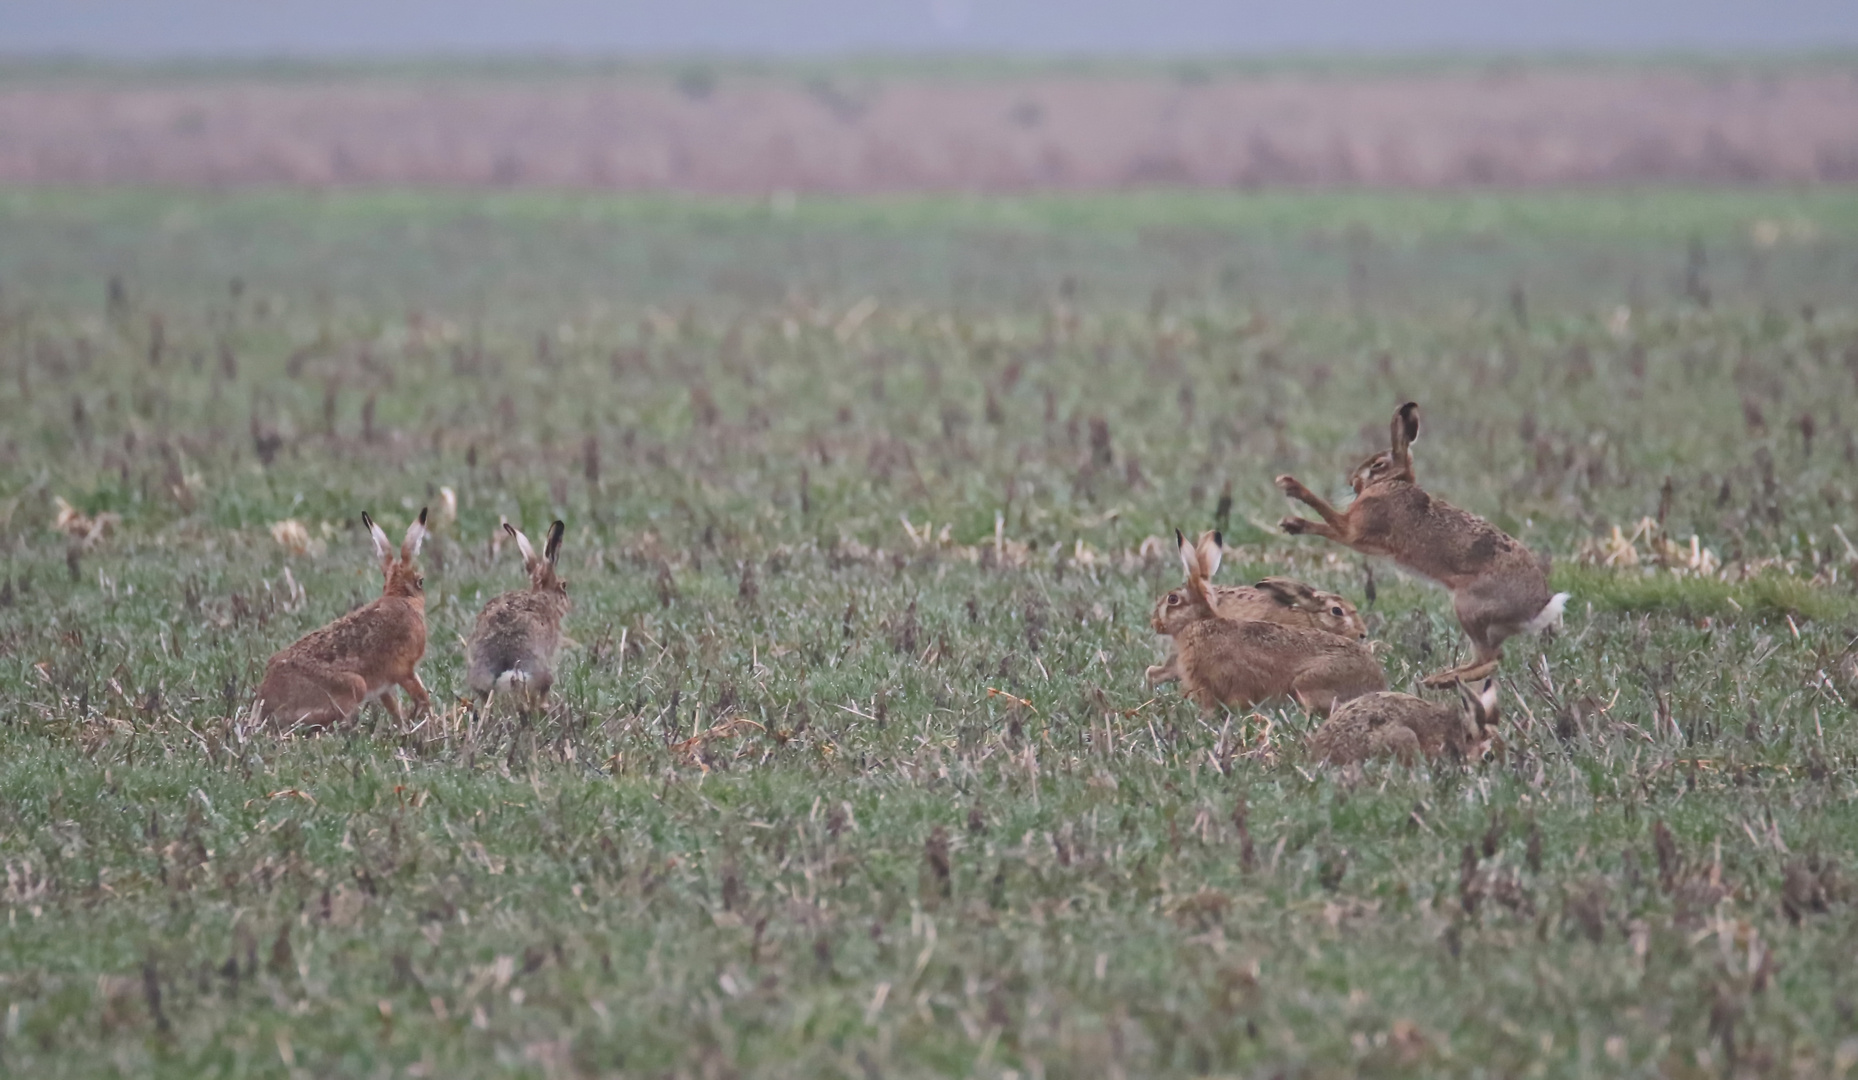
[[419, 582], [1336, 611], [1173, 599]]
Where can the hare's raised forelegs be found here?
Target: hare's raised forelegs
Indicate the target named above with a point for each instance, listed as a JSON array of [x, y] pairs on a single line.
[[1167, 671], [1331, 527]]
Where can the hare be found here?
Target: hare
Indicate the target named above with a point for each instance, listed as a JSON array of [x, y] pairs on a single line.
[[1406, 727], [1499, 589], [512, 648], [1273, 599], [1241, 663], [327, 675]]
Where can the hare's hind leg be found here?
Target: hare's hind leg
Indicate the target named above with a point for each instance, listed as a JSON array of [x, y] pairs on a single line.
[[1485, 615], [1395, 741], [1478, 668], [311, 697]]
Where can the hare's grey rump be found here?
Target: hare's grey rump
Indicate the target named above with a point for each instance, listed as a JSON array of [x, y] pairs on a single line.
[[512, 648]]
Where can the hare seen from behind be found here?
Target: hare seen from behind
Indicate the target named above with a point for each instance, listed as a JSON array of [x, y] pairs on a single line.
[[512, 647], [327, 675], [1499, 589], [1242, 663], [1408, 728]]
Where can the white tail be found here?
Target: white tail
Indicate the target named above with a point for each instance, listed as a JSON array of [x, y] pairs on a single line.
[[1550, 615], [512, 680]]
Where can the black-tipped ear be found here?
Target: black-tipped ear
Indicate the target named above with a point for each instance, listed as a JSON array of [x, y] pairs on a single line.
[[422, 517], [1285, 595], [1219, 541], [553, 547], [1409, 420], [1178, 538], [366, 521], [509, 528]]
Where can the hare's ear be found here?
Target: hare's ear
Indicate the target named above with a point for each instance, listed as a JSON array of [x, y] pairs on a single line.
[[522, 545], [1405, 432], [1194, 560], [383, 547], [415, 535], [1472, 713], [1211, 548], [1487, 700], [1286, 593], [552, 549]]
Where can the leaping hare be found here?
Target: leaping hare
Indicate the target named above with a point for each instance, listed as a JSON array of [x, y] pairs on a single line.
[[1408, 728], [327, 675], [1499, 589], [512, 648], [1242, 663]]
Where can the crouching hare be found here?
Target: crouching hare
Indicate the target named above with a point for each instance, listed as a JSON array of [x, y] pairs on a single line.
[[327, 675], [1408, 728], [512, 648], [1499, 589], [1273, 599], [1222, 661]]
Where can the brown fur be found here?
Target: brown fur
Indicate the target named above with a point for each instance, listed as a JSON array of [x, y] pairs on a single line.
[[1273, 599], [519, 632], [1406, 727], [326, 676], [1499, 589], [1243, 663]]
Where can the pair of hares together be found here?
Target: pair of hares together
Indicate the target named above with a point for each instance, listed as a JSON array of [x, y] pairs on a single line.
[[325, 677], [1282, 638]]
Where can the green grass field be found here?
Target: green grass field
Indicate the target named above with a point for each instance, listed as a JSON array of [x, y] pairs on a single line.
[[852, 770]]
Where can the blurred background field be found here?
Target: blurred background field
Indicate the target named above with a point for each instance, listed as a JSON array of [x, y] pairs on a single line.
[[868, 496]]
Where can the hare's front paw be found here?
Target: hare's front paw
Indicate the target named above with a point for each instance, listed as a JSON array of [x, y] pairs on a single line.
[[1292, 487], [1295, 526]]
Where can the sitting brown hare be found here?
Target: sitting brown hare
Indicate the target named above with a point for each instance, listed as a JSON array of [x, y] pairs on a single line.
[[1222, 661], [1408, 728], [1499, 589], [326, 676]]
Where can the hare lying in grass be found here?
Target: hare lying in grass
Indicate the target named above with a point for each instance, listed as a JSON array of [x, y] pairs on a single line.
[[1408, 728], [327, 675], [1241, 663], [512, 648], [1498, 588], [1273, 599]]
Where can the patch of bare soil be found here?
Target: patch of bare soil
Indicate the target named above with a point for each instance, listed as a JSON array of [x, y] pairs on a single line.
[[755, 136]]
